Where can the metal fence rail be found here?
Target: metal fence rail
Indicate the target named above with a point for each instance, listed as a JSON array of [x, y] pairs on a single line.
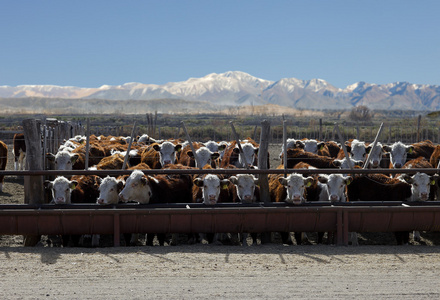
[[233, 218]]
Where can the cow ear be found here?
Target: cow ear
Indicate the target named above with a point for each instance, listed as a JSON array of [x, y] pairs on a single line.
[[73, 184], [256, 150], [407, 178], [322, 179], [144, 180], [368, 149], [48, 184], [348, 180], [74, 158], [198, 182], [433, 179], [321, 145], [178, 147], [283, 180], [224, 184], [190, 153], [236, 150], [156, 147], [309, 181], [221, 147], [120, 185], [410, 149], [300, 144], [337, 162], [348, 148], [50, 156], [233, 179], [215, 155], [386, 148]]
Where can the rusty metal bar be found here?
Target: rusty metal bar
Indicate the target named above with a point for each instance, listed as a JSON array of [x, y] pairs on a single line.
[[217, 171]]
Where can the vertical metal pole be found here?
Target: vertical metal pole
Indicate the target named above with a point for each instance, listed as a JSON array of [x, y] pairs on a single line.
[[127, 155], [86, 163], [191, 145], [237, 140]]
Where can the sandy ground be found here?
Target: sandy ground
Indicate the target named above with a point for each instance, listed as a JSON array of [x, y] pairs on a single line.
[[225, 272], [375, 270]]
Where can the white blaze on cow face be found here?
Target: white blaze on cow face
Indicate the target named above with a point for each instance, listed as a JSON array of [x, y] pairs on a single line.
[[420, 185], [245, 184], [358, 150], [211, 186], [343, 163], [249, 152], [167, 152], [61, 190], [295, 187], [63, 160], [398, 153], [137, 188], [376, 155], [336, 186], [204, 156], [109, 190]]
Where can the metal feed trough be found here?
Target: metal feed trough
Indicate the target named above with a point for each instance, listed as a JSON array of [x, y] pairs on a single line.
[[234, 218]]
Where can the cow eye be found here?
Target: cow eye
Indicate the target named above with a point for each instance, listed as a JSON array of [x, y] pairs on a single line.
[[415, 184], [111, 190], [67, 190]]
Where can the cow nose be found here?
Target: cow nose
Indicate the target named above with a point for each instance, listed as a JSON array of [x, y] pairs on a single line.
[[166, 162], [424, 195], [296, 197], [247, 197], [397, 165], [334, 198], [211, 197], [100, 201]]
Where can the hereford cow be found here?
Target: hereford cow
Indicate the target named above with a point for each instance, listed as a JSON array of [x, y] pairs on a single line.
[[295, 156], [109, 189], [204, 157], [209, 189], [159, 155], [159, 189], [379, 187], [19, 151], [246, 191], [233, 156], [3, 162], [86, 189]]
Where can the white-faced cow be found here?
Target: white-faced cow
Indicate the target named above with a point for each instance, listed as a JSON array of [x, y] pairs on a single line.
[[109, 189], [398, 154]]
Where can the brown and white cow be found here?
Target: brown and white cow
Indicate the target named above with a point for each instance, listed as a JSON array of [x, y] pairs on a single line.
[[19, 151], [3, 162]]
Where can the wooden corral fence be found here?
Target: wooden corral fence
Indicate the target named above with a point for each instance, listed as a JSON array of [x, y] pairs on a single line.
[[36, 218]]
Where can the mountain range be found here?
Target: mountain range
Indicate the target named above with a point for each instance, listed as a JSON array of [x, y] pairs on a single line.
[[237, 88]]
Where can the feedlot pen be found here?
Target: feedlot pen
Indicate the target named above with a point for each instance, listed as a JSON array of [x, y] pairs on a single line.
[[36, 219]]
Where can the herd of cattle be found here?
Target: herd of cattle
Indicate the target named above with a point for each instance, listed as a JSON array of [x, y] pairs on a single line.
[[108, 152]]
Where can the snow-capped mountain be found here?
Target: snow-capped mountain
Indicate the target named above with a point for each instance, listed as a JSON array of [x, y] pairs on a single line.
[[239, 88]]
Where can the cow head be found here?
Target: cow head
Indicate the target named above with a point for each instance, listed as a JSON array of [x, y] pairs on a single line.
[[358, 150], [63, 160], [420, 185], [245, 184], [167, 152], [398, 153], [295, 185], [109, 189], [375, 155], [204, 156], [211, 186], [61, 189], [137, 188], [249, 152], [336, 186]]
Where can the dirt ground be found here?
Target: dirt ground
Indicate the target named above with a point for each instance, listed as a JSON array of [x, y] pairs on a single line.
[[376, 269]]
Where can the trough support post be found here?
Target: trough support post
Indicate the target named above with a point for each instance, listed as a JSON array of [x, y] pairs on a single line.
[[116, 230], [33, 185], [262, 165]]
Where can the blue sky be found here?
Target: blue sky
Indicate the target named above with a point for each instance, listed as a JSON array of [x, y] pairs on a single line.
[[91, 43]]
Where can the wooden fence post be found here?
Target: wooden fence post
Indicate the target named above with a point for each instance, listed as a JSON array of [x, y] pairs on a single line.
[[33, 185]]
